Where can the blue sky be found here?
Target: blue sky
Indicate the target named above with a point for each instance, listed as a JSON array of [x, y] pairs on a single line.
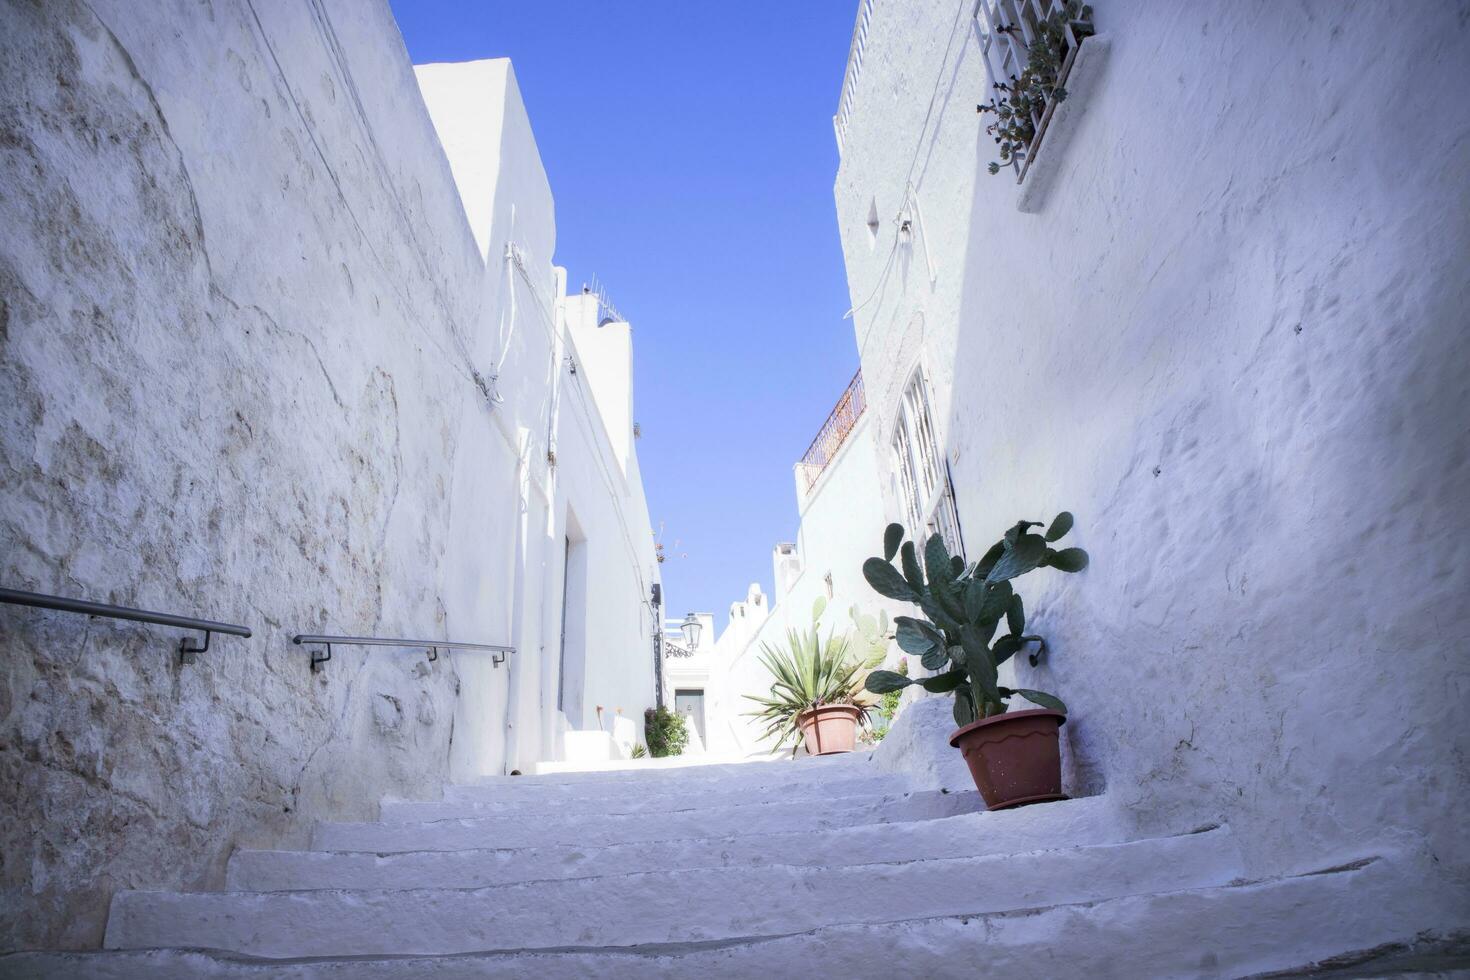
[[690, 150]]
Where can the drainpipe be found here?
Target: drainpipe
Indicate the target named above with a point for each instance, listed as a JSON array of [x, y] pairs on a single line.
[[658, 645]]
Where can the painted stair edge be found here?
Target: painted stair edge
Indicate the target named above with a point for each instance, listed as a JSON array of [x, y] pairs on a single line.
[[662, 906], [1288, 925], [1087, 821]]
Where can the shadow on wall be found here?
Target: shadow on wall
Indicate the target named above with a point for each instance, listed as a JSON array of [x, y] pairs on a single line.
[[1233, 343]]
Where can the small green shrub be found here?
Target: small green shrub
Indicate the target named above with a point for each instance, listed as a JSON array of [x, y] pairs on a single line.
[[665, 732], [886, 709], [639, 752]]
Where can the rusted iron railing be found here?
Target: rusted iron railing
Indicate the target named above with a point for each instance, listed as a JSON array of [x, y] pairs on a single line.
[[834, 431]]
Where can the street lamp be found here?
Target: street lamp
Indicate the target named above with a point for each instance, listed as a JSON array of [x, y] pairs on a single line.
[[691, 628]]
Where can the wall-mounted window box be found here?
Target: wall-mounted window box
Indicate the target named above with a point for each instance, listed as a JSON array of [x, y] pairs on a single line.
[[1043, 58]]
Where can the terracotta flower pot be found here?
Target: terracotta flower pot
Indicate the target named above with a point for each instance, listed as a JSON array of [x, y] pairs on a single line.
[[1014, 758], [829, 729]]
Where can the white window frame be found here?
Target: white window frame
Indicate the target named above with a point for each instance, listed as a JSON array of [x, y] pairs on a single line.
[[921, 469]]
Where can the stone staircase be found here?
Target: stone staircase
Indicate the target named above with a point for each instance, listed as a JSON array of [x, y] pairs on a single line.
[[776, 869]]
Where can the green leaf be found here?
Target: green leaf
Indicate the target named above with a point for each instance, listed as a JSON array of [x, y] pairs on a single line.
[[988, 560], [1060, 525], [956, 567], [938, 616], [1018, 530], [1016, 614], [819, 607], [1068, 560], [944, 594], [1043, 699], [916, 636], [935, 659], [1022, 557], [892, 537], [936, 561], [884, 681], [996, 602], [957, 654], [911, 570], [1006, 647], [943, 683], [981, 667], [974, 599], [964, 706], [886, 581]]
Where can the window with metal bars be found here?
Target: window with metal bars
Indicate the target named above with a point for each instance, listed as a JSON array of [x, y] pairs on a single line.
[[921, 473], [1010, 32]]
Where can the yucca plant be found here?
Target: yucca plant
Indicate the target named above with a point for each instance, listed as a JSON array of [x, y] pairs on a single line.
[[809, 673]]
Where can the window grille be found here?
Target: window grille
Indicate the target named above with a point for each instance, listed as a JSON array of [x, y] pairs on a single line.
[[923, 477], [1007, 29]]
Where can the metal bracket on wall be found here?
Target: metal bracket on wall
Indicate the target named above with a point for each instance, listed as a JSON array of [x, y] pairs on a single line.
[[316, 661], [433, 646], [189, 653]]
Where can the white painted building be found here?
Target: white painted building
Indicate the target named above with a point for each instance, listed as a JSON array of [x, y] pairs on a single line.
[[841, 516], [298, 359], [1221, 320]]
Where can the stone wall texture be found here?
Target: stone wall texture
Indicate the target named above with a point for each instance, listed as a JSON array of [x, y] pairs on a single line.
[[233, 358], [1232, 340]]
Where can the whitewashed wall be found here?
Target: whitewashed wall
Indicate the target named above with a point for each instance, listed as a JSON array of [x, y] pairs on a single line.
[[563, 386], [841, 526], [1232, 342], [255, 368]]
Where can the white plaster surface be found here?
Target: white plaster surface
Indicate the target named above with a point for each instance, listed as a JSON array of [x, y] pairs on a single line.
[[1289, 924], [1061, 887], [489, 801], [558, 826], [841, 516], [686, 905], [773, 842], [256, 368], [1232, 342]]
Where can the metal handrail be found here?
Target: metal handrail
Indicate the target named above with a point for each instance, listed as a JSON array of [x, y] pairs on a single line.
[[187, 653], [434, 646]]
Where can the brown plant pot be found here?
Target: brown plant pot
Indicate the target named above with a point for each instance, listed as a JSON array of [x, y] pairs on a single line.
[[829, 729], [1014, 758]]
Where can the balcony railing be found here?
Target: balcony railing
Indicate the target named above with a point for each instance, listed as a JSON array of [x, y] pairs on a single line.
[[834, 431], [854, 69], [676, 650]]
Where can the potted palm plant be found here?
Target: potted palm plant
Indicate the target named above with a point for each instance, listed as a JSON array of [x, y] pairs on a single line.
[[1013, 756], [817, 697]]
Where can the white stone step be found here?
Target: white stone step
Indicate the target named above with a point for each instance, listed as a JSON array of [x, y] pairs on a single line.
[[765, 771], [685, 906], [482, 801], [597, 830], [1050, 826]]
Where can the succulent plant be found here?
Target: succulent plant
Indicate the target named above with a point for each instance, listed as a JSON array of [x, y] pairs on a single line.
[[1020, 101], [963, 608], [869, 636]]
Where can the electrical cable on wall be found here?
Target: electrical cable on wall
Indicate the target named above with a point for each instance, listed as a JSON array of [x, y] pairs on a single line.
[[910, 187]]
